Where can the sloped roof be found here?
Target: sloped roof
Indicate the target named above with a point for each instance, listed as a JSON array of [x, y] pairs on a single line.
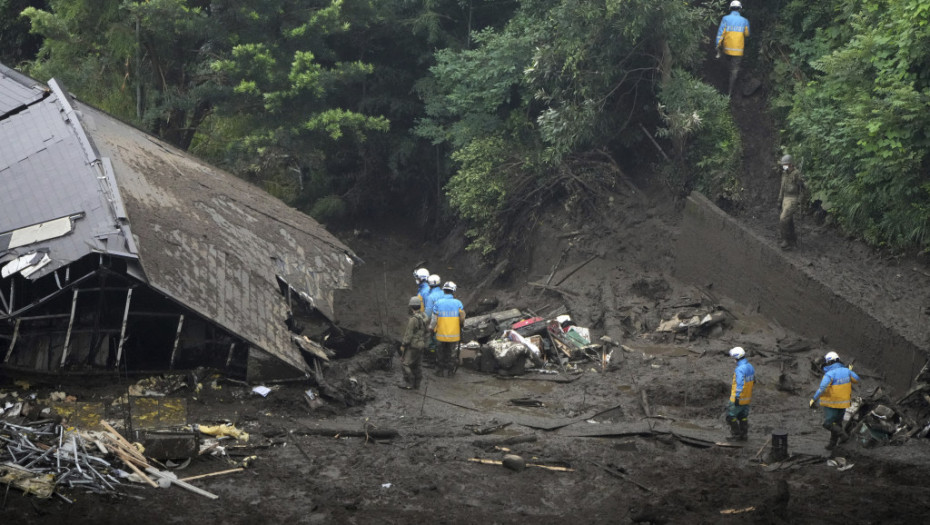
[[48, 172], [203, 237], [21, 91]]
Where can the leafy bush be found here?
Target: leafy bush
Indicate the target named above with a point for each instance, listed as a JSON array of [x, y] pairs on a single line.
[[707, 149], [858, 118], [329, 209]]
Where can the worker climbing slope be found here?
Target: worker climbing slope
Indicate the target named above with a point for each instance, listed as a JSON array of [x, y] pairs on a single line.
[[731, 39]]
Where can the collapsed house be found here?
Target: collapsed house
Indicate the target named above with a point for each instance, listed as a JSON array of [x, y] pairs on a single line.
[[120, 252]]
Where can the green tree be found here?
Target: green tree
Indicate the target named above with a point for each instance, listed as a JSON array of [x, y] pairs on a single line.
[[17, 44], [857, 117], [565, 82]]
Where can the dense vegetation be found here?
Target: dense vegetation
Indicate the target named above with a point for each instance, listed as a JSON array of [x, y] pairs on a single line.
[[486, 108], [855, 89]]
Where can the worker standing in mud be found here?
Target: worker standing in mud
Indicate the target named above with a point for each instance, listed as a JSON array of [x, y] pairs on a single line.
[[415, 340], [448, 319], [731, 39], [789, 196], [834, 394], [744, 377]]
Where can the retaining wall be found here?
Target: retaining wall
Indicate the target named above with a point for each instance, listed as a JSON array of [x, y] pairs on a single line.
[[715, 250]]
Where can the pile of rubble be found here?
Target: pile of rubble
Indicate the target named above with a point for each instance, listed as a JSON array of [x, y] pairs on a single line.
[[59, 446], [510, 343], [876, 419]]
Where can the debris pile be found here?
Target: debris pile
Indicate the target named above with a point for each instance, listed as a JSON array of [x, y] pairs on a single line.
[[876, 419], [511, 343]]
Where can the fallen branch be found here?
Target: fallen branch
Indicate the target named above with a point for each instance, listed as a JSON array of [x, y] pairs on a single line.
[[575, 269]]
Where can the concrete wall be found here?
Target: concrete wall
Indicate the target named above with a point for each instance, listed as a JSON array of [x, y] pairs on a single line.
[[714, 250]]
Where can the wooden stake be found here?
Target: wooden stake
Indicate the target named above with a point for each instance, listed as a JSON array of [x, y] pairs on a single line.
[[769, 440]]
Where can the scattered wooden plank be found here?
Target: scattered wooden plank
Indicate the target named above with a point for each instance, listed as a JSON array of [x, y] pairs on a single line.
[[131, 464], [167, 476], [210, 475]]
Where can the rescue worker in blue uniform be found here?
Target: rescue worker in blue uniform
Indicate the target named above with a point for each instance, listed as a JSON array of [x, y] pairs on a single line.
[[421, 275], [731, 39], [447, 321], [433, 295], [744, 378], [835, 394]]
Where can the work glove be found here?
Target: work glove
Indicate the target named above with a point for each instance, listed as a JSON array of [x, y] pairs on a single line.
[[718, 52], [736, 401], [813, 404]]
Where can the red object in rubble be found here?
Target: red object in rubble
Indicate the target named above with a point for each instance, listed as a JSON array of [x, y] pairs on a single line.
[[526, 322]]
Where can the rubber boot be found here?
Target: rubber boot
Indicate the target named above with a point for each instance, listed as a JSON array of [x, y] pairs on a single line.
[[787, 235], [843, 436], [735, 431], [743, 430], [834, 437]]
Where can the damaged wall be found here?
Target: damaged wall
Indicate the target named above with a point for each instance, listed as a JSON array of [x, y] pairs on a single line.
[[716, 251]]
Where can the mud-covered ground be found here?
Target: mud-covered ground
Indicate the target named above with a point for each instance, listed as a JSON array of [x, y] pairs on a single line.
[[635, 443]]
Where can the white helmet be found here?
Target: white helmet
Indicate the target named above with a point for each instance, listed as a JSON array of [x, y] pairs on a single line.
[[735, 5], [433, 280], [450, 286], [831, 357], [737, 352], [421, 275]]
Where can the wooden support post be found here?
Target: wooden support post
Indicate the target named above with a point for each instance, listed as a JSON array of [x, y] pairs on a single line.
[[64, 351], [122, 332], [177, 339], [9, 352], [229, 356]]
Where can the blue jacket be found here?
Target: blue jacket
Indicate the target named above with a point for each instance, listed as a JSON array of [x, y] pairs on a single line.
[[434, 294], [836, 387], [448, 318], [423, 291], [733, 32], [744, 378]]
